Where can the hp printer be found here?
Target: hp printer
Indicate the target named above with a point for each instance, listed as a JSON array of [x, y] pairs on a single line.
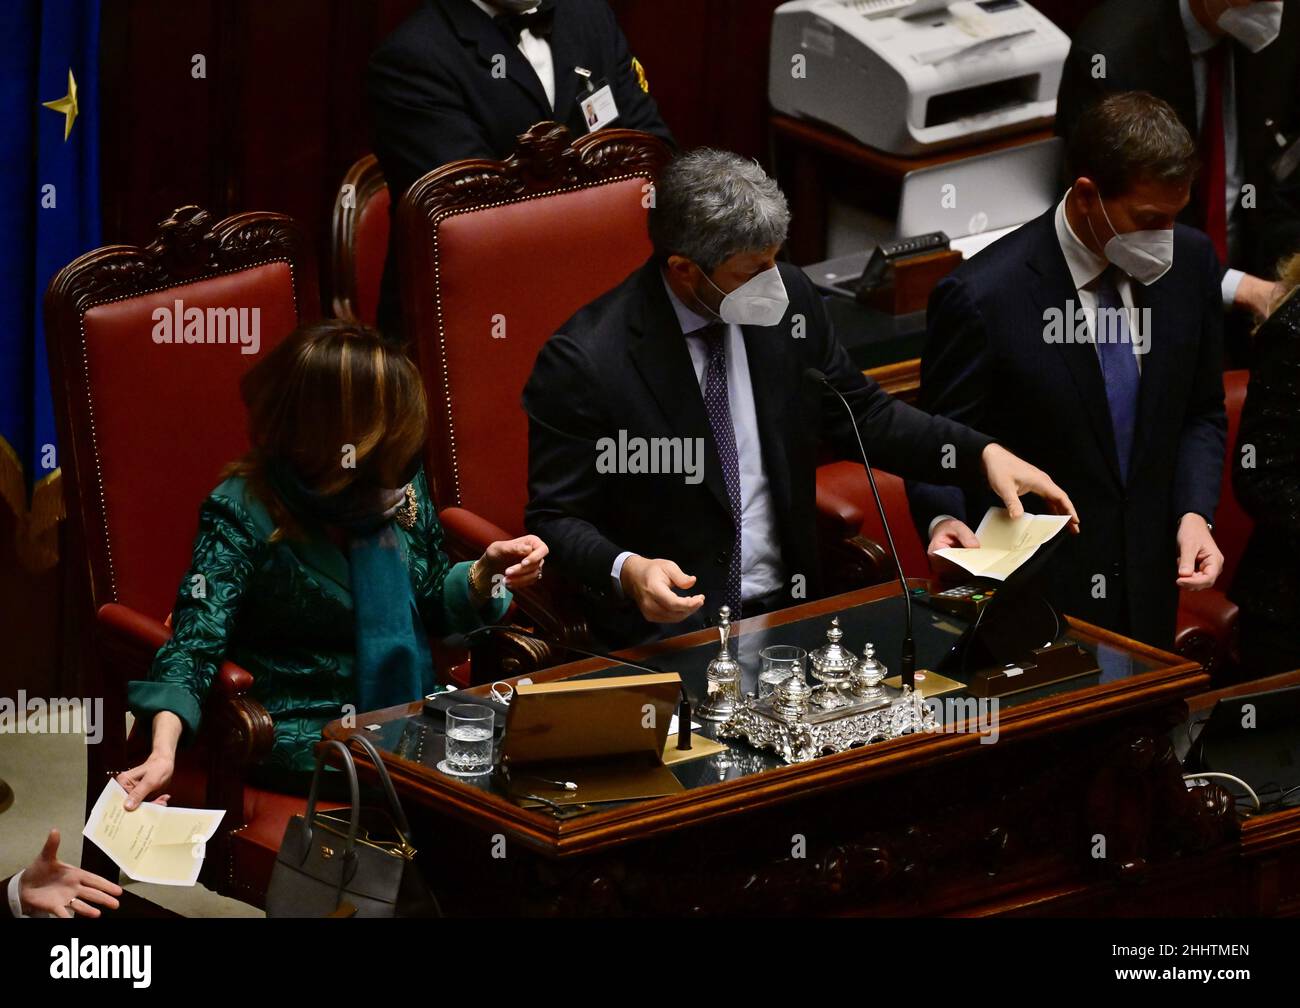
[[908, 76]]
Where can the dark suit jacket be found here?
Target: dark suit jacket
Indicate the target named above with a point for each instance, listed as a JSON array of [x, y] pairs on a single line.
[[987, 363], [4, 898], [434, 99], [622, 363], [1146, 49], [1268, 580]]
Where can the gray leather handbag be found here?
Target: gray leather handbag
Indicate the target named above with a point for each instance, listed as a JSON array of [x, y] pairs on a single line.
[[352, 862]]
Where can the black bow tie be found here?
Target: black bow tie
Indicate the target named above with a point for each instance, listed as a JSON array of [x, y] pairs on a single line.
[[540, 20]]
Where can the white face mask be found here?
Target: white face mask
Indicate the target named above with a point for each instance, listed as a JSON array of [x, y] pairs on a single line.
[[1146, 256], [761, 300], [1255, 25]]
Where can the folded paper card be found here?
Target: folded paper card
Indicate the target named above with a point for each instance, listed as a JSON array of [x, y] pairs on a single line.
[[1005, 543], [152, 843]]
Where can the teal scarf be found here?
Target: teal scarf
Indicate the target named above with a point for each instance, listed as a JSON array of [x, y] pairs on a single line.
[[393, 664]]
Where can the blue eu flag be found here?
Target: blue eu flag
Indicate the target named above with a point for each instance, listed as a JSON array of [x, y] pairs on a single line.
[[49, 159]]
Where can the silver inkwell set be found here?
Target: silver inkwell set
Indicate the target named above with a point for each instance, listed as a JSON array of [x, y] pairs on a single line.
[[848, 707]]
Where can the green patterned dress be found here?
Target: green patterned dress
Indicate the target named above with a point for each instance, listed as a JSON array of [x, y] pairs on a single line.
[[283, 611]]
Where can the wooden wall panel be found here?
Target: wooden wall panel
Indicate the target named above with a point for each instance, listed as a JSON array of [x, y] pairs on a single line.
[[281, 114]]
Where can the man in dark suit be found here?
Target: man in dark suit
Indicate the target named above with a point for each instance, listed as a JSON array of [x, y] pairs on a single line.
[[463, 78], [1231, 70], [674, 434], [1089, 341]]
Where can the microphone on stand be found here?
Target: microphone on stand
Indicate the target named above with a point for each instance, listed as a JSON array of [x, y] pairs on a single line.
[[683, 705], [907, 670]]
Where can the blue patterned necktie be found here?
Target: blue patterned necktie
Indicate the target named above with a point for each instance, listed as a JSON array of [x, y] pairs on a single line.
[[1119, 367], [718, 407]]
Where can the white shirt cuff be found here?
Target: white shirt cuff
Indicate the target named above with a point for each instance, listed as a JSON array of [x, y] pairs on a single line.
[[15, 900], [1228, 288], [936, 521], [616, 574]]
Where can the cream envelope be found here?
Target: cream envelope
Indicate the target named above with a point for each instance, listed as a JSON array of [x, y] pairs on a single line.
[[153, 843], [1005, 543]]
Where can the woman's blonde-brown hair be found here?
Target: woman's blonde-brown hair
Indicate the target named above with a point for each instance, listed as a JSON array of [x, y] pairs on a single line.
[[339, 405]]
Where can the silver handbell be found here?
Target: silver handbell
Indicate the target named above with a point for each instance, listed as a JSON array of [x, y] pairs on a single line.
[[722, 696]]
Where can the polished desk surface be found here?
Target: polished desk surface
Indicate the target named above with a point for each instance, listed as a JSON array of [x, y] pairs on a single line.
[[742, 776]]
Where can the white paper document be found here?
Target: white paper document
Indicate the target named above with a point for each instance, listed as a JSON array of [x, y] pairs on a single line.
[[153, 843], [1005, 543]]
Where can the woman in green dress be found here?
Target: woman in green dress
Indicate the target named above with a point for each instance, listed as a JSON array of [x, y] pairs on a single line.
[[318, 564]]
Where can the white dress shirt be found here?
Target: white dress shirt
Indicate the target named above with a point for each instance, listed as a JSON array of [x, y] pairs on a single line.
[[760, 558], [536, 50], [1200, 42], [15, 895]]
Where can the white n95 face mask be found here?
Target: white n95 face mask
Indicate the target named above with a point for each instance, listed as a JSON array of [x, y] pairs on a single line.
[[1146, 256], [760, 301], [1255, 25]]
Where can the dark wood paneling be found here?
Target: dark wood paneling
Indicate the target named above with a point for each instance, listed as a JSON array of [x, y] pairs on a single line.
[[281, 114], [274, 125]]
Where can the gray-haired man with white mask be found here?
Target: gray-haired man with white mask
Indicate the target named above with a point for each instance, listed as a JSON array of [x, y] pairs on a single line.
[[674, 438]]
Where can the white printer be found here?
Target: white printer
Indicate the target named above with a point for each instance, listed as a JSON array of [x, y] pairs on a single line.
[[906, 76]]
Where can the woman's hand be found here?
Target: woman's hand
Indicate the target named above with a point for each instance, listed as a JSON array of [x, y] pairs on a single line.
[[63, 890], [155, 773], [518, 561]]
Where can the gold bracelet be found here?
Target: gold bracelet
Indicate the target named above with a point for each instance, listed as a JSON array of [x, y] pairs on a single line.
[[477, 589]]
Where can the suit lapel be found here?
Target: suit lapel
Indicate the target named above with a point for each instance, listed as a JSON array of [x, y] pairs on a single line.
[[775, 384], [1052, 288], [477, 30], [327, 564], [1174, 55], [660, 354], [564, 57], [1157, 300]]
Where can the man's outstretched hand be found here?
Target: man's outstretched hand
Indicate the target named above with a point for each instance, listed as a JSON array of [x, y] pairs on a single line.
[[1011, 477], [63, 890], [650, 584]]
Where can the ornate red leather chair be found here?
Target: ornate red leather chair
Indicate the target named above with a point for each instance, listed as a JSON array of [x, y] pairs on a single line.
[[1207, 620], [360, 240], [144, 429], [495, 256]]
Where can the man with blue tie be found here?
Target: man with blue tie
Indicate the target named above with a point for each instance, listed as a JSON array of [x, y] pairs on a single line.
[[1090, 342], [674, 435]]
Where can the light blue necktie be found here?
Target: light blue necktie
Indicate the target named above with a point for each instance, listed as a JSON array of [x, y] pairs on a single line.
[[1119, 367]]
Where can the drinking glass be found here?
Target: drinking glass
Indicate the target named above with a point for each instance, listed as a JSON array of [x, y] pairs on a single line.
[[778, 663], [469, 740]]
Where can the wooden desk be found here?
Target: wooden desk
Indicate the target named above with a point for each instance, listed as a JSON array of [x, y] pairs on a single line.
[[809, 159], [1266, 862], [1079, 799]]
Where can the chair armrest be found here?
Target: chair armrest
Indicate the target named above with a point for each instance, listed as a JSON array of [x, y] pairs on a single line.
[[849, 559], [236, 725], [1207, 631], [842, 496], [468, 534]]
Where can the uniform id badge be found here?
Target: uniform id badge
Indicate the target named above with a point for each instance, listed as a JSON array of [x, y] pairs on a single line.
[[598, 108]]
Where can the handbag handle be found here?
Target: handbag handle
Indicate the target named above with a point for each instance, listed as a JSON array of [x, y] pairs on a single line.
[[309, 819], [390, 792]]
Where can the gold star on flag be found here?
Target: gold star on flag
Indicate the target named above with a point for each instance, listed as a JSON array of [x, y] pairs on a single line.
[[67, 105]]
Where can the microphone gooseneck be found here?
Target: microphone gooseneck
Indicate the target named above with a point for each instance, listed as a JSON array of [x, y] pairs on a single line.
[[907, 668]]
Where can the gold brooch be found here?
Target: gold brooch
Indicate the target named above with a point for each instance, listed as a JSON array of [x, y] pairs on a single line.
[[409, 511]]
